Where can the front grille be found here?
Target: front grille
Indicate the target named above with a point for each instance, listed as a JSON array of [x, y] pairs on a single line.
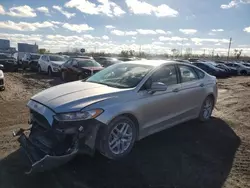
[[1, 82]]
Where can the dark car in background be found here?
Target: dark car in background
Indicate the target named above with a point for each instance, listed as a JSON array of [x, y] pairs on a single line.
[[107, 61], [30, 60], [212, 70], [9, 63], [79, 68], [231, 70]]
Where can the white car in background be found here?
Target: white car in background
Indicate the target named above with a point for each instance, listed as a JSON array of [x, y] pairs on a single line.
[[50, 63], [242, 69], [2, 86]]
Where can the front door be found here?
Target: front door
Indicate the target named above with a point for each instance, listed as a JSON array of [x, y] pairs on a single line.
[[160, 109]]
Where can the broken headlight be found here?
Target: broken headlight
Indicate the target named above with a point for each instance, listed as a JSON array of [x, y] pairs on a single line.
[[78, 116]]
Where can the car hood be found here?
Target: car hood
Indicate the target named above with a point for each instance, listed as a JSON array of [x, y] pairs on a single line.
[[58, 62], [74, 96]]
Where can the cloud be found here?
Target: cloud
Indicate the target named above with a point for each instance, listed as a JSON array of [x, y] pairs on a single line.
[[25, 26], [152, 32], [231, 4], [105, 37], [45, 10], [217, 30], [200, 40], [21, 37], [247, 29], [162, 32], [134, 38], [234, 3], [20, 11], [140, 7], [79, 28], [188, 31], [65, 13], [110, 26], [2, 11], [105, 7], [162, 38], [123, 33], [158, 43]]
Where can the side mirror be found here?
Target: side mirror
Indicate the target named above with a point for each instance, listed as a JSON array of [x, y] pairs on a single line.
[[1, 67], [157, 86]]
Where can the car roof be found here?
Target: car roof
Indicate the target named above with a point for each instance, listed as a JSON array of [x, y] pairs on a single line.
[[154, 63], [82, 59]]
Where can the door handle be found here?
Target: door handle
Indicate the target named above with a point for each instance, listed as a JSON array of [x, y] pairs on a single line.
[[202, 85], [176, 90]]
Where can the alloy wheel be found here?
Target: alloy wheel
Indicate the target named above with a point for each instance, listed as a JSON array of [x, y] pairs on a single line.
[[207, 108], [120, 138]]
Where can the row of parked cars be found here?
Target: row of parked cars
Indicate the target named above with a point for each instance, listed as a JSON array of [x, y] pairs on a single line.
[[221, 69]]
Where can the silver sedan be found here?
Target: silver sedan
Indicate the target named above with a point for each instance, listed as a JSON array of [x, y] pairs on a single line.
[[118, 106]]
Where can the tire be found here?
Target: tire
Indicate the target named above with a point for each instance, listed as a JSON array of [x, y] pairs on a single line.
[[79, 77], [39, 69], [107, 140], [243, 73], [207, 105], [50, 73], [2, 88], [63, 76]]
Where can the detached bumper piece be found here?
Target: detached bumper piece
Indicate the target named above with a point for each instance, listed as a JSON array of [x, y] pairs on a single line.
[[47, 150]]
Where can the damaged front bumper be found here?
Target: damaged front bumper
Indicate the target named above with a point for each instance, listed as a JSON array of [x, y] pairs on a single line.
[[41, 162], [48, 147]]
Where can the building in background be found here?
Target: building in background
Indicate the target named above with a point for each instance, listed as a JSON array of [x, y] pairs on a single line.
[[24, 47], [4, 44]]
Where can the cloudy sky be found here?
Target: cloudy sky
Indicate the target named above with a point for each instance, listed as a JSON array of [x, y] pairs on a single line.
[[114, 25]]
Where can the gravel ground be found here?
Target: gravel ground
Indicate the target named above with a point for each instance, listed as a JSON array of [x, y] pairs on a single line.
[[210, 155]]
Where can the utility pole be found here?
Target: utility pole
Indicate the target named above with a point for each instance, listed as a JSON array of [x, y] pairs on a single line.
[[204, 52], [181, 47], [213, 54], [229, 48]]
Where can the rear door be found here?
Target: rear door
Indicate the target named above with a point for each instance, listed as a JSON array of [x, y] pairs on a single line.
[[192, 90]]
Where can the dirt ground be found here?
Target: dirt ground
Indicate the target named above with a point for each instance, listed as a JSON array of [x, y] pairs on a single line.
[[210, 155]]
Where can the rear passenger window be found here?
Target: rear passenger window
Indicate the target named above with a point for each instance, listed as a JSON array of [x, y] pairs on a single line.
[[188, 74], [200, 73]]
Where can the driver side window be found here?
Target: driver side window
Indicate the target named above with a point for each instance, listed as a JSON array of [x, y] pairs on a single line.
[[166, 75]]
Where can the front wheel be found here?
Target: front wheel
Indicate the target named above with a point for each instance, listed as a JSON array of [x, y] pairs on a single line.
[[63, 76], [206, 109], [50, 73], [118, 138], [243, 73], [39, 69]]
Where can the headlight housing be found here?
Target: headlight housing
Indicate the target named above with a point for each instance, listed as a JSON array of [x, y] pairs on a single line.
[[79, 116], [55, 65]]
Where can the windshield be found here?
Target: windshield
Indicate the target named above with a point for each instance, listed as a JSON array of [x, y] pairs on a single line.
[[56, 58], [89, 63], [121, 75], [34, 56]]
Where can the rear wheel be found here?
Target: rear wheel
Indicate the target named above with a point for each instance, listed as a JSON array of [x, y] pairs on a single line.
[[206, 109], [117, 139]]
